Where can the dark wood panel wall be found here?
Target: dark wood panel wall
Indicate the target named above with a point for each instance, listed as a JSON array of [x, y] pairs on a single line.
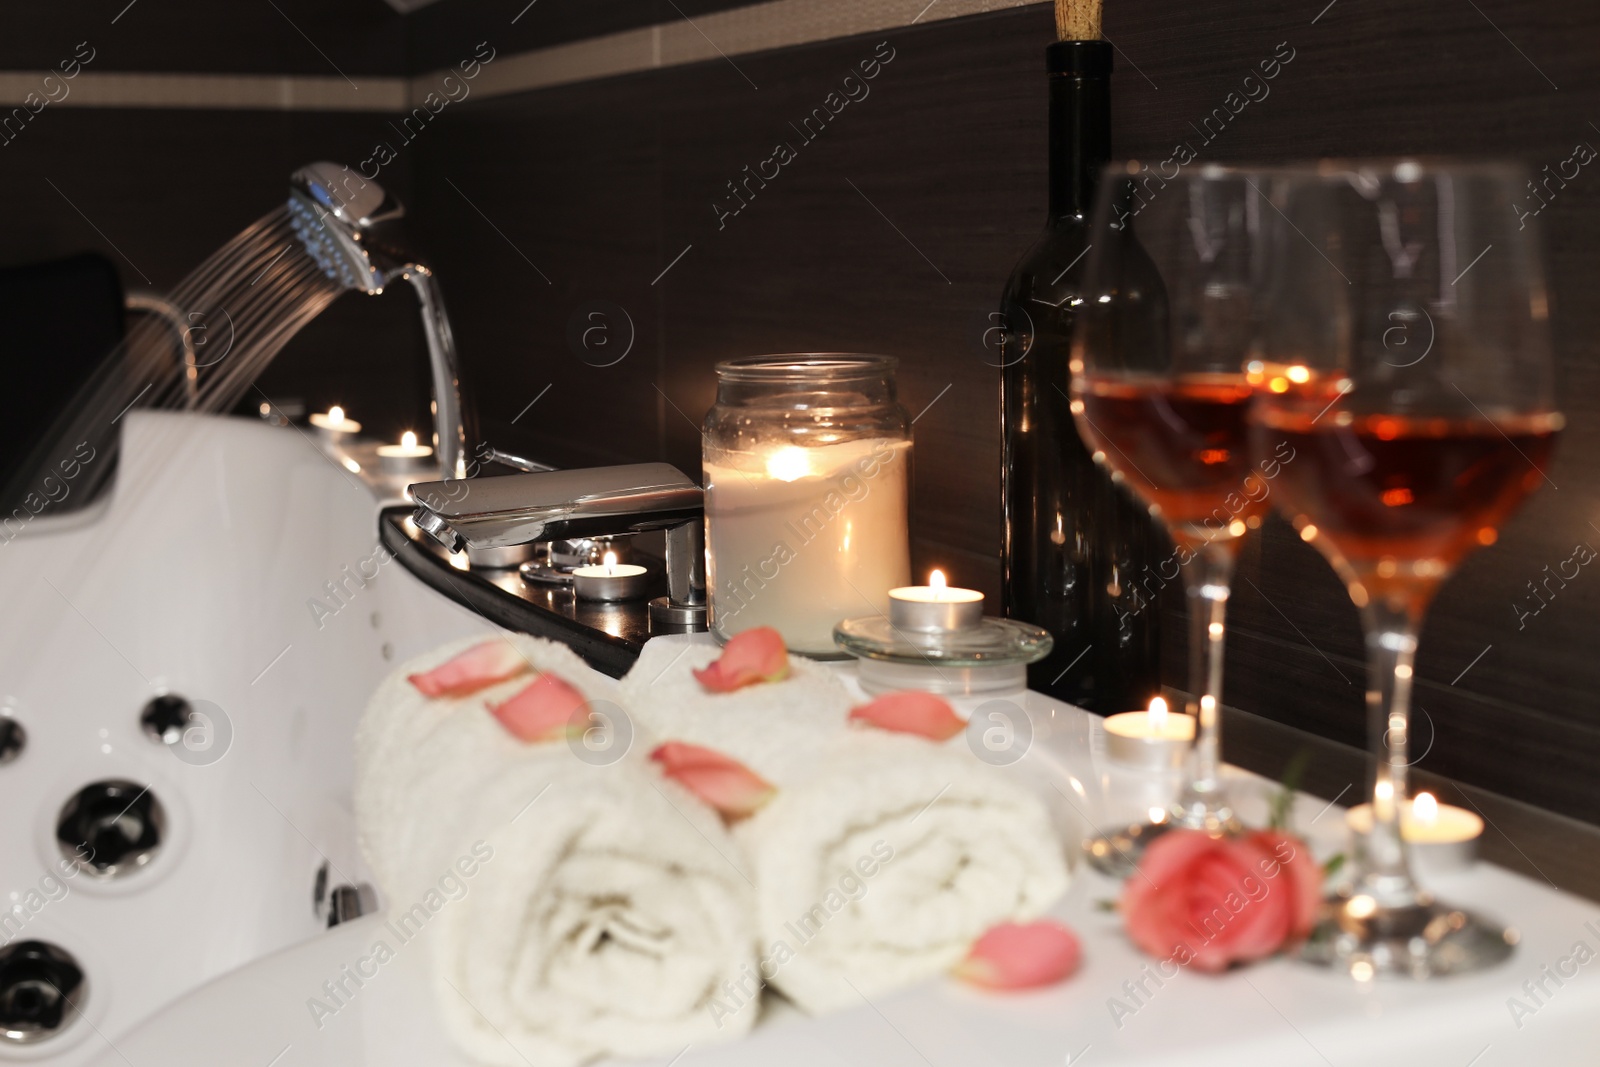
[[893, 228], [351, 37]]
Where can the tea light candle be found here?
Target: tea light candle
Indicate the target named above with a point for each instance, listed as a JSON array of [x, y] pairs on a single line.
[[334, 426], [1152, 739], [405, 457], [610, 580], [1442, 838], [934, 607]]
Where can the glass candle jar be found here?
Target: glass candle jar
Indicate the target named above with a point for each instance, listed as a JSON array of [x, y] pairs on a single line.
[[807, 463]]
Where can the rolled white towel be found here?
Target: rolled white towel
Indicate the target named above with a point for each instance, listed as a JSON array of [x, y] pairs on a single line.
[[573, 910], [882, 856]]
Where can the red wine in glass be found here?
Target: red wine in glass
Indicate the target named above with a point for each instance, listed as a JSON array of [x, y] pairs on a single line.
[[1181, 443], [1404, 498]]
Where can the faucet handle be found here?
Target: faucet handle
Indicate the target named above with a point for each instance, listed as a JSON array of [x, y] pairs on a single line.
[[551, 505]]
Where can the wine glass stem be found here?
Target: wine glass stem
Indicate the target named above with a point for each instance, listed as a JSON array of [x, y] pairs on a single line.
[[1206, 584], [1391, 647]]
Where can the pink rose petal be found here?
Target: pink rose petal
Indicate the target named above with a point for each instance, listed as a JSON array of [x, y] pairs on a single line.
[[546, 709], [756, 655], [477, 668], [1021, 956], [911, 712], [728, 786]]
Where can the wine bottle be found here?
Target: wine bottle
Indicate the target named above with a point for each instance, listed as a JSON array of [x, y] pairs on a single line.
[[1078, 551]]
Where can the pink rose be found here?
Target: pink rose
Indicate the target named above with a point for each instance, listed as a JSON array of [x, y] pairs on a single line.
[[1212, 902]]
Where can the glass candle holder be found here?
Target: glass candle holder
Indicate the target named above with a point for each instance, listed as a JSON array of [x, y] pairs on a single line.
[[807, 469]]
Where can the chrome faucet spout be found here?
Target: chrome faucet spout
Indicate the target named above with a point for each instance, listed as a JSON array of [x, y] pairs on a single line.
[[449, 426], [596, 502]]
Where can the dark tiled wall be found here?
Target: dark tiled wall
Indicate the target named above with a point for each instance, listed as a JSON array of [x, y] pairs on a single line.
[[323, 37], [895, 228]]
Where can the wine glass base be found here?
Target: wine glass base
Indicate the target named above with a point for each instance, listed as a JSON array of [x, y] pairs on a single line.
[[1426, 939], [1117, 852]]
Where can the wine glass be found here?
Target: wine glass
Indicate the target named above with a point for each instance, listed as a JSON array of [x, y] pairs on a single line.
[[1161, 398], [1404, 373]]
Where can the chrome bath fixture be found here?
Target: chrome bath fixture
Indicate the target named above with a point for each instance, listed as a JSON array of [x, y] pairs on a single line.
[[596, 502], [111, 829], [43, 990], [165, 718], [13, 739], [348, 225]]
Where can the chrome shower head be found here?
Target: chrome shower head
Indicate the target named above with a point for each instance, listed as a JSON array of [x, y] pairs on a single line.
[[337, 215]]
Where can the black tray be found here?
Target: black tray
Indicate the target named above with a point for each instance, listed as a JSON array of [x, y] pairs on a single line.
[[608, 636]]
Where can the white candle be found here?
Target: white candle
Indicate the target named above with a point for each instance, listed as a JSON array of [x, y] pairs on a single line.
[[799, 538], [1442, 838], [1153, 739], [405, 457], [935, 607], [334, 426], [610, 580]]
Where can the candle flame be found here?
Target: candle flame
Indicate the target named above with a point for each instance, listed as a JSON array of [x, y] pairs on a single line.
[[408, 440], [1158, 714], [611, 562], [1383, 805], [1425, 809], [936, 583], [789, 464], [336, 414]]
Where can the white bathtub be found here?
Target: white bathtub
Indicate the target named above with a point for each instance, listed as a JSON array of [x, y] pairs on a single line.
[[200, 575]]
